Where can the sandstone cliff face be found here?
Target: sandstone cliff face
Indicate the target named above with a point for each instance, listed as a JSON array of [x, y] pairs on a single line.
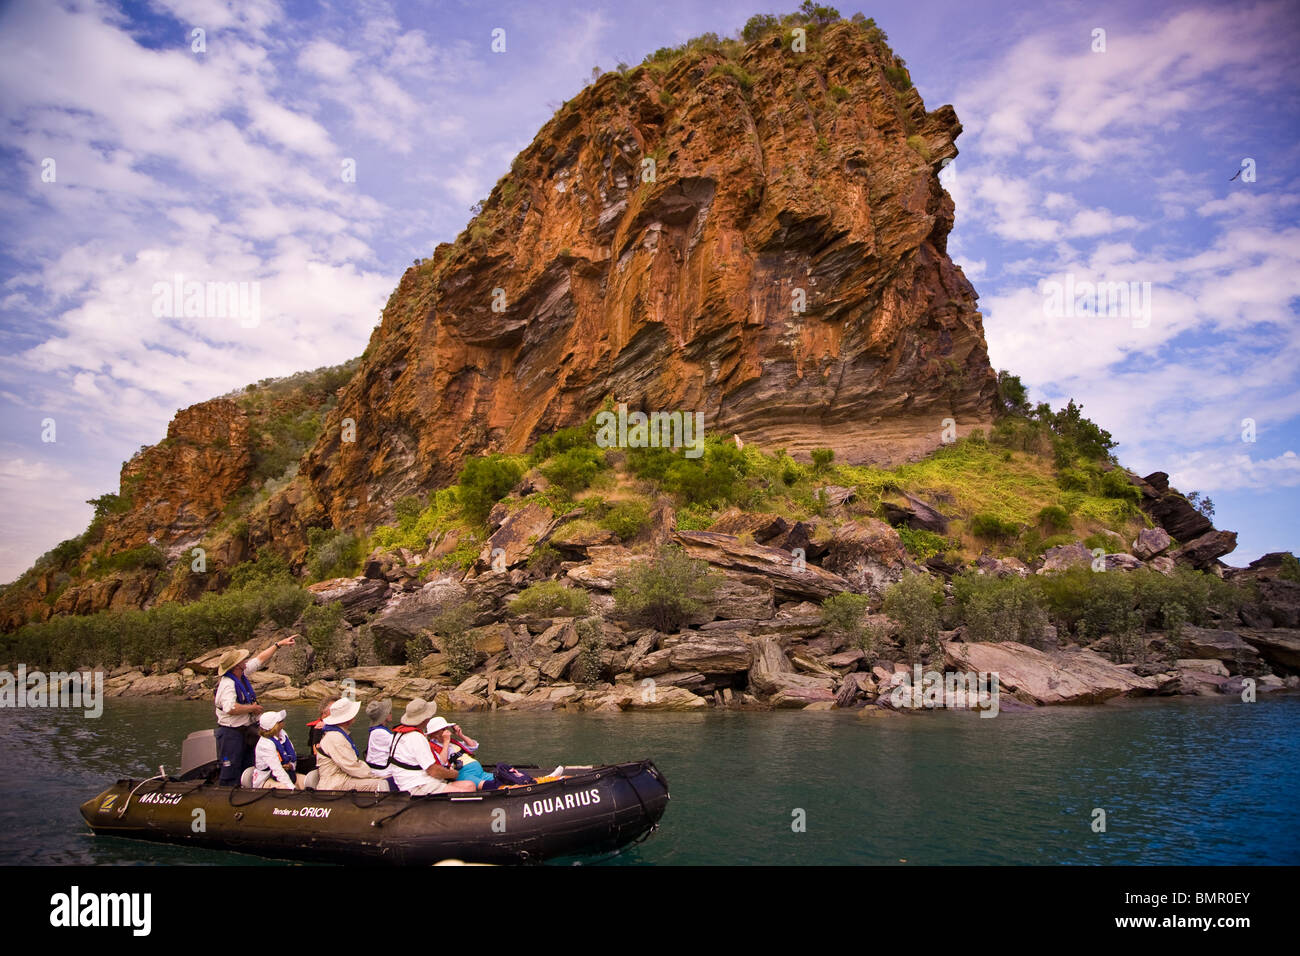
[[792, 175]]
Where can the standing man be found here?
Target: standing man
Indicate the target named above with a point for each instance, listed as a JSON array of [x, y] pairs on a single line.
[[238, 710]]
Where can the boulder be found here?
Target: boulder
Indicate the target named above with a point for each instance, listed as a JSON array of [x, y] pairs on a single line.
[[773, 676], [1204, 666], [759, 565], [456, 701], [1279, 646], [854, 688], [915, 514], [762, 528], [1065, 556], [519, 534], [734, 599], [156, 685], [206, 663], [1151, 542], [1170, 509], [359, 596], [666, 698], [868, 554], [282, 695], [603, 567], [1122, 562], [835, 495], [1037, 677], [575, 540], [1163, 563], [1200, 683], [117, 686], [1000, 567], [406, 615], [1202, 552], [1204, 643], [371, 675], [709, 653], [267, 680]]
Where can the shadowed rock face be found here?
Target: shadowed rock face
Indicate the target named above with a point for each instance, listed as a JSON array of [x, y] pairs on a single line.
[[680, 293]]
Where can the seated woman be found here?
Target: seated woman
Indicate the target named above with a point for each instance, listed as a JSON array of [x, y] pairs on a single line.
[[275, 761], [454, 749]]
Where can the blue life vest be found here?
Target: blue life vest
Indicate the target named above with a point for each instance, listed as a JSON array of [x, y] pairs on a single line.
[[287, 754], [244, 693]]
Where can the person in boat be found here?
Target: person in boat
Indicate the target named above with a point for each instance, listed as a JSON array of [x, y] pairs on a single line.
[[380, 739], [237, 710], [315, 728], [415, 769], [337, 760], [275, 761], [454, 749]]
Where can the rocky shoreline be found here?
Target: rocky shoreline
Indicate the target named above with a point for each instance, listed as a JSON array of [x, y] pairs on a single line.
[[760, 643]]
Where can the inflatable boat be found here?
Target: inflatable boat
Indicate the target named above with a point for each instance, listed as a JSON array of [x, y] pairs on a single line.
[[590, 810]]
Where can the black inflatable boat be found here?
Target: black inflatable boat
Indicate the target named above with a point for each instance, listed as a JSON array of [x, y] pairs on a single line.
[[588, 811]]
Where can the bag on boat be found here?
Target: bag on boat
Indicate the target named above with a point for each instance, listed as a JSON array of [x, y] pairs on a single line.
[[508, 774]]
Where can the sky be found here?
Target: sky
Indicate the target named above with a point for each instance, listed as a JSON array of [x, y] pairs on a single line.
[[313, 150]]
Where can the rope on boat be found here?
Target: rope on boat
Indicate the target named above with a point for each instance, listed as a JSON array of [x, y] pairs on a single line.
[[127, 802]]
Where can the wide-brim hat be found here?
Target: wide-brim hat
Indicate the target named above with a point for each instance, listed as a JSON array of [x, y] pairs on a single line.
[[379, 710], [270, 718], [344, 709], [437, 724], [418, 711], [231, 659]]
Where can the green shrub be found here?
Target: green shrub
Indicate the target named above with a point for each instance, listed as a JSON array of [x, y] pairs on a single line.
[[574, 469], [332, 553], [1072, 479], [1055, 518], [132, 559], [484, 481], [459, 654], [844, 615], [268, 568], [989, 525], [284, 602], [1099, 540], [1290, 568], [915, 604], [320, 625], [627, 519], [549, 599], [822, 459], [746, 80], [588, 665], [999, 609], [545, 560], [1115, 484], [922, 544], [838, 93], [665, 592], [418, 648], [758, 26]]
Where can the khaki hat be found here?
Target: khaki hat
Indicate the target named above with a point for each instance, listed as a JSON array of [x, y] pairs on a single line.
[[231, 659], [344, 709], [379, 710], [418, 711]]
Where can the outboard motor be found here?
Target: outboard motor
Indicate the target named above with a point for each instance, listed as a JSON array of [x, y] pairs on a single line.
[[198, 755]]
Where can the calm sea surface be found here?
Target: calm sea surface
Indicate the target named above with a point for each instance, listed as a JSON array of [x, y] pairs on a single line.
[[1189, 781]]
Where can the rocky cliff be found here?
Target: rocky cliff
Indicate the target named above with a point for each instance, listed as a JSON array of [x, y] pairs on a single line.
[[762, 239]]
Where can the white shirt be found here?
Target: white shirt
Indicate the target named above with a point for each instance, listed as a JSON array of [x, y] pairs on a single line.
[[381, 738], [412, 748], [268, 762], [225, 698]]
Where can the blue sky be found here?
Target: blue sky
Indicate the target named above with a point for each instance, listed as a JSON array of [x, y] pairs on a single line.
[[1097, 165]]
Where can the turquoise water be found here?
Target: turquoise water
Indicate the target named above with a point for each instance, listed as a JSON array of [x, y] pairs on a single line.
[[1188, 781]]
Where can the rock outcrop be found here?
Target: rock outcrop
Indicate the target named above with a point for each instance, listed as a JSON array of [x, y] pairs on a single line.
[[658, 243]]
